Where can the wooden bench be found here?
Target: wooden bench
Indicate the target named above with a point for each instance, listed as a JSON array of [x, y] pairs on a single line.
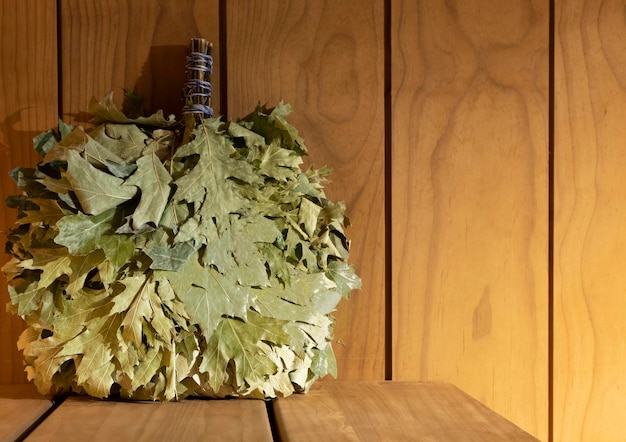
[[331, 411], [21, 409]]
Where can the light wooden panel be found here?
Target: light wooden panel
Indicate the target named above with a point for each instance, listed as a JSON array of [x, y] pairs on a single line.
[[28, 106], [325, 58], [110, 45], [80, 419], [470, 200], [390, 411], [20, 408], [590, 227]]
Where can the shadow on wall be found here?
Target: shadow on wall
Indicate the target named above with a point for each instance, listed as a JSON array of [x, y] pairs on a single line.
[[160, 83], [10, 135], [15, 150], [162, 80]]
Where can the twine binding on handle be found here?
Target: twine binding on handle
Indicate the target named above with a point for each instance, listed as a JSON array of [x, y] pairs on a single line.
[[198, 88]]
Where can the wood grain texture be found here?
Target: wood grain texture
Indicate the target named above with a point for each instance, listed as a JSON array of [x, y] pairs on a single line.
[[21, 391], [390, 411], [110, 45], [18, 415], [590, 232], [86, 419], [326, 59], [470, 200], [20, 408], [28, 106]]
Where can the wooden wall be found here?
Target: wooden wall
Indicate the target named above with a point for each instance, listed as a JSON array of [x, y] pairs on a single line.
[[470, 200], [437, 119], [28, 105], [589, 230], [113, 44], [326, 59], [140, 44]]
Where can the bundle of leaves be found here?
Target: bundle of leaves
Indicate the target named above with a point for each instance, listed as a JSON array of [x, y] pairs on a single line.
[[154, 268]]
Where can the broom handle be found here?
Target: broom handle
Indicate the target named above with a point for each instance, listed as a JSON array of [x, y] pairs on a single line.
[[198, 90]]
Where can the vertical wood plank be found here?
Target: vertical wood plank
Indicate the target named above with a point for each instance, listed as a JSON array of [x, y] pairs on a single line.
[[28, 106], [142, 44], [470, 200], [590, 232], [326, 59]]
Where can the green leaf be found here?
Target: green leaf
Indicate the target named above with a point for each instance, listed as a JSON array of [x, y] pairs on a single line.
[[107, 111], [81, 267], [74, 141], [45, 362], [64, 129], [146, 368], [173, 216], [134, 302], [252, 139], [118, 249], [81, 233], [275, 127], [126, 141], [44, 142], [60, 185], [305, 285], [49, 212], [207, 294], [299, 249], [307, 215], [277, 263], [190, 230], [210, 183], [98, 155], [42, 256], [95, 369], [278, 116], [153, 180], [343, 274], [237, 340], [27, 296], [237, 249], [323, 361], [167, 270], [120, 170], [170, 258], [161, 144], [162, 325], [271, 303], [214, 362], [83, 308], [53, 270], [97, 191], [276, 162], [26, 179]]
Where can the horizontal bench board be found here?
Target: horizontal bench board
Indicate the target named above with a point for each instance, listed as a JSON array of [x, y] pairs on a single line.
[[86, 419], [394, 411], [20, 407], [335, 410]]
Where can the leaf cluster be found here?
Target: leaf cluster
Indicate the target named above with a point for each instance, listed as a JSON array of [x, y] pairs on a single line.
[[156, 269]]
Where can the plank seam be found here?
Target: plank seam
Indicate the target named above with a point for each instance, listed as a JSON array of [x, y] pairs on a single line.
[[223, 59], [59, 60], [271, 417], [56, 402], [388, 352]]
